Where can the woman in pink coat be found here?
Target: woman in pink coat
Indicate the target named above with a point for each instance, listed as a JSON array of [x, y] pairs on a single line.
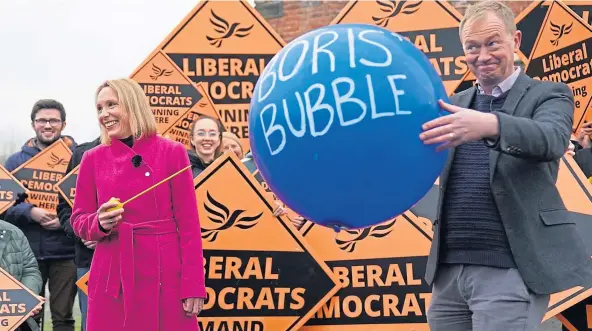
[[147, 271]]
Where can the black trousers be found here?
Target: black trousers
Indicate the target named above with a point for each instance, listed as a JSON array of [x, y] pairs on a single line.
[[61, 276]]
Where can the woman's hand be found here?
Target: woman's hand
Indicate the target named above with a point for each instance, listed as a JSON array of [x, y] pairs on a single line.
[[298, 222], [108, 219], [89, 244], [279, 209], [193, 306]]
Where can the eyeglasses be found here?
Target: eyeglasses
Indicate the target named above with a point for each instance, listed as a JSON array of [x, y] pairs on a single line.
[[44, 121], [210, 134]]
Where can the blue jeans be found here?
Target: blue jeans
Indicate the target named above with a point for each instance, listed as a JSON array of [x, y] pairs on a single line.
[[82, 297]]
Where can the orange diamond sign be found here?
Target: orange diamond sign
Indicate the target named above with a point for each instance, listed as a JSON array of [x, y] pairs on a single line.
[[10, 188], [431, 25], [225, 45], [41, 173], [16, 302], [563, 53], [176, 101], [260, 273]]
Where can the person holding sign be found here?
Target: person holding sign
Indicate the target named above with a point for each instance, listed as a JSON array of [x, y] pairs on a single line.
[[147, 271], [83, 250], [17, 258], [53, 249], [206, 140], [503, 239], [230, 142]]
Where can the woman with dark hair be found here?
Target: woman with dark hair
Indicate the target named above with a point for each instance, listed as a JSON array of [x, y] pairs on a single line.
[[206, 140]]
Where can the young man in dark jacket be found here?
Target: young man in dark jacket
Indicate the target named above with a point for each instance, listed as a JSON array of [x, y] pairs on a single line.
[[53, 250], [84, 249]]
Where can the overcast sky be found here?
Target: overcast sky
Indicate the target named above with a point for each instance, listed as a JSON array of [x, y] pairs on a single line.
[[63, 49]]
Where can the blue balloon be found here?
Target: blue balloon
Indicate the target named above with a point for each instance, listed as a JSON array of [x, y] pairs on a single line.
[[335, 120]]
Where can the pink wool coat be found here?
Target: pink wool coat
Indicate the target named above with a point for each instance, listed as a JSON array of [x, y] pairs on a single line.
[[143, 269]]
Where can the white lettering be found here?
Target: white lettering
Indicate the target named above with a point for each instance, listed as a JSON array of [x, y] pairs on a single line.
[[302, 131], [352, 48], [268, 72], [398, 36], [316, 49], [283, 77], [272, 128], [371, 94], [389, 57], [397, 93], [306, 110], [317, 106], [341, 99]]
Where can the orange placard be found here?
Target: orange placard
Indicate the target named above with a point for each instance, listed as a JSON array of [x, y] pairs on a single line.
[[16, 302], [176, 102], [562, 53], [42, 172], [10, 188], [530, 21], [431, 25], [260, 272], [382, 271], [67, 186], [82, 283], [225, 45], [469, 80], [578, 317], [576, 193]]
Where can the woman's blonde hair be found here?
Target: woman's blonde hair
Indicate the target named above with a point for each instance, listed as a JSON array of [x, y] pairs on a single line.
[[234, 137], [134, 106]]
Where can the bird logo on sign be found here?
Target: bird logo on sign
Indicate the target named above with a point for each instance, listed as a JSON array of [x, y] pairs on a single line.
[[394, 8], [559, 31], [158, 72], [56, 161], [376, 231], [221, 215], [226, 30]]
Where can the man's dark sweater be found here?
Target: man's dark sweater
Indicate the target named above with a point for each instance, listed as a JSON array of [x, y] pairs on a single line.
[[472, 230]]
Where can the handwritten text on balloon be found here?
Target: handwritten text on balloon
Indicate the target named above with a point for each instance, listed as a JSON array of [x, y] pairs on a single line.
[[319, 104]]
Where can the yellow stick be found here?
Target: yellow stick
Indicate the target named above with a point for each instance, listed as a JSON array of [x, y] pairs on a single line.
[[155, 185]]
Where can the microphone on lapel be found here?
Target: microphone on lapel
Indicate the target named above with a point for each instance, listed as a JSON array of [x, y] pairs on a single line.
[[136, 160]]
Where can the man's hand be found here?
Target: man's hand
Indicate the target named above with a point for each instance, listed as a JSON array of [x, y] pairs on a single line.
[[52, 224], [461, 126], [89, 244], [41, 215]]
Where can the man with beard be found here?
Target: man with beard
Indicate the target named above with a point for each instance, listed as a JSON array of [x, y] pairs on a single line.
[[53, 249]]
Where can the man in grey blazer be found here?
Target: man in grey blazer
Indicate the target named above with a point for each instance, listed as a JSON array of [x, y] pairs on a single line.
[[503, 239]]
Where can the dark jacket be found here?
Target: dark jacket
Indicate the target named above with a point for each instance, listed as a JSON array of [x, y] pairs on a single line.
[[46, 244], [583, 157], [249, 162], [83, 255], [534, 129], [197, 165]]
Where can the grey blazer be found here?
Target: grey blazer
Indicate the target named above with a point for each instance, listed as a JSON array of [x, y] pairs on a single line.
[[535, 127]]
